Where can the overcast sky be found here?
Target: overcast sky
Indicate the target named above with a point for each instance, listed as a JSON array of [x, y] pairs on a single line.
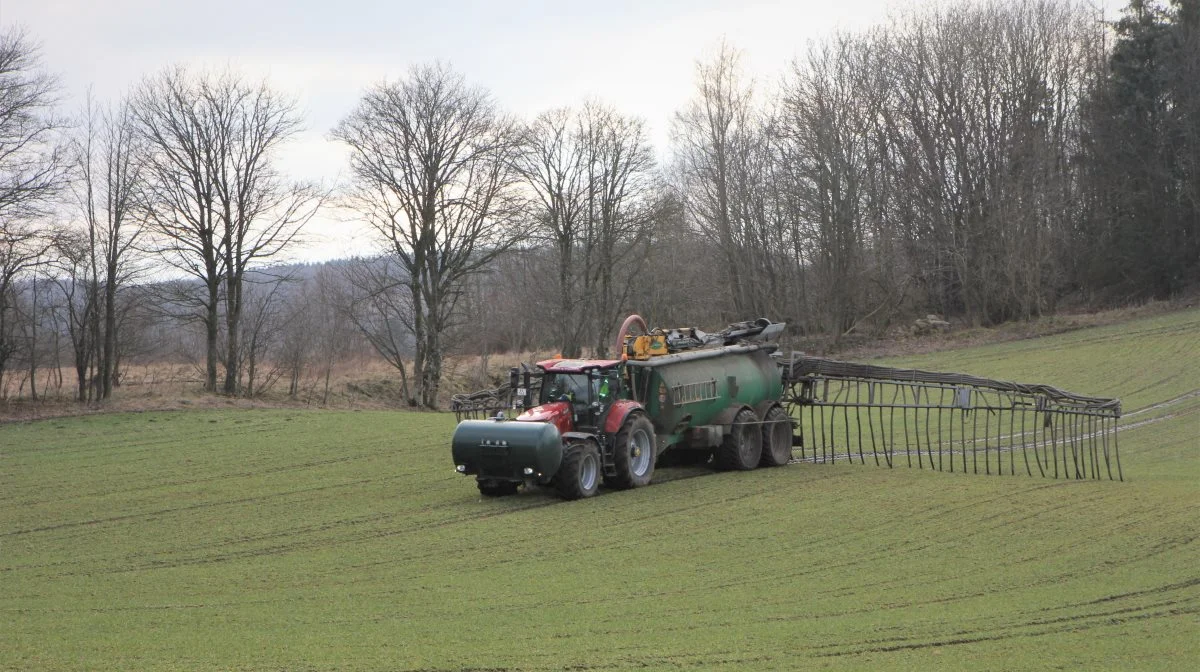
[[638, 56]]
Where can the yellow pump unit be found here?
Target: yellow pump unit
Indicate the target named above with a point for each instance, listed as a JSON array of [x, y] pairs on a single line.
[[646, 346]]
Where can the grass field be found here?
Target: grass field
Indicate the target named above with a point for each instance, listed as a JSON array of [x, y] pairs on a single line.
[[309, 540]]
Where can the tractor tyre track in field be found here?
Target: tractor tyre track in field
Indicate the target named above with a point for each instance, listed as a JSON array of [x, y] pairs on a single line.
[[315, 544], [179, 509], [1163, 404], [1038, 629], [225, 477]]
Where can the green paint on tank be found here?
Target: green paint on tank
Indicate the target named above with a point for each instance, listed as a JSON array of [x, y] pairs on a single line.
[[691, 388]]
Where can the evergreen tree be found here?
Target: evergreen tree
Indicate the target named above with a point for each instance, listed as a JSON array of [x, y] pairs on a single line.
[[1145, 145]]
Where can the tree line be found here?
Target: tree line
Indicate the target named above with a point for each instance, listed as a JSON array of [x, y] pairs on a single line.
[[984, 160]]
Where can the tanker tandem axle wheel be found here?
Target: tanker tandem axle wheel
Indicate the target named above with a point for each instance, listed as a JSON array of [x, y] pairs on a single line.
[[633, 454], [742, 449], [579, 475], [776, 438]]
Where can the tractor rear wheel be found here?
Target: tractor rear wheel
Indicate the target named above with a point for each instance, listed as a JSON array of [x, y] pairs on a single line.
[[633, 454], [776, 438], [742, 448], [490, 487], [579, 475]]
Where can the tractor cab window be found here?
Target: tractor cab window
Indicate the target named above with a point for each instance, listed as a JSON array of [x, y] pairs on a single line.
[[606, 386], [582, 389], [572, 387]]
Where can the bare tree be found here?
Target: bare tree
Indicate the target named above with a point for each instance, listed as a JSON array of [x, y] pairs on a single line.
[[35, 306], [377, 302], [334, 338], [593, 176], [830, 127], [263, 321], [108, 156], [74, 274], [297, 342], [552, 161], [621, 202], [985, 138], [706, 134], [431, 160], [22, 250], [515, 298], [261, 213], [217, 205], [32, 164], [32, 170], [678, 287], [182, 209]]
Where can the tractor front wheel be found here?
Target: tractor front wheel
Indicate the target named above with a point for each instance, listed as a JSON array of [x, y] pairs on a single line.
[[742, 448], [579, 475], [633, 454]]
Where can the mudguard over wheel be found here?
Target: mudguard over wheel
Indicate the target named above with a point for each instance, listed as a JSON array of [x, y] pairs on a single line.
[[490, 487], [776, 438], [742, 448], [579, 475], [633, 454]]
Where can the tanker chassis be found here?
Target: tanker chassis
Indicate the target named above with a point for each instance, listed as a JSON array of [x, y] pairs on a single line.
[[698, 396]]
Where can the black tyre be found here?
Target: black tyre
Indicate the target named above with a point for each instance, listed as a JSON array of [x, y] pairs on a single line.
[[742, 448], [490, 487], [579, 475], [633, 454], [776, 438]]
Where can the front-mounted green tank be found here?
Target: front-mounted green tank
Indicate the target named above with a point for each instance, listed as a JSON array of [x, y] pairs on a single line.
[[512, 451]]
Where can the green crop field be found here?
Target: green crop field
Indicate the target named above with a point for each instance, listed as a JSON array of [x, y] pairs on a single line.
[[291, 540]]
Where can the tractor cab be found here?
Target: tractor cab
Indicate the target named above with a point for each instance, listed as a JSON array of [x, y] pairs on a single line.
[[576, 393]]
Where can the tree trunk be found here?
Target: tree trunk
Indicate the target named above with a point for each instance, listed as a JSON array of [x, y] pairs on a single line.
[[233, 315], [432, 372], [568, 339], [108, 358], [420, 342], [213, 353], [251, 366]]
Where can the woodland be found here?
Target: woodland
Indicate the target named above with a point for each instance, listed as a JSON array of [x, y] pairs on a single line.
[[983, 161]]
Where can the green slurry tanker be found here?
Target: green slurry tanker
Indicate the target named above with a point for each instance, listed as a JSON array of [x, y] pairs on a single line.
[[696, 396]]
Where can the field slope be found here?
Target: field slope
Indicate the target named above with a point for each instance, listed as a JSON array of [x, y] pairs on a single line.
[[286, 540]]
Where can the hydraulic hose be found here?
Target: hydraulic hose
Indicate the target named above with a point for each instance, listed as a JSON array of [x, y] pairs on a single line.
[[629, 321]]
